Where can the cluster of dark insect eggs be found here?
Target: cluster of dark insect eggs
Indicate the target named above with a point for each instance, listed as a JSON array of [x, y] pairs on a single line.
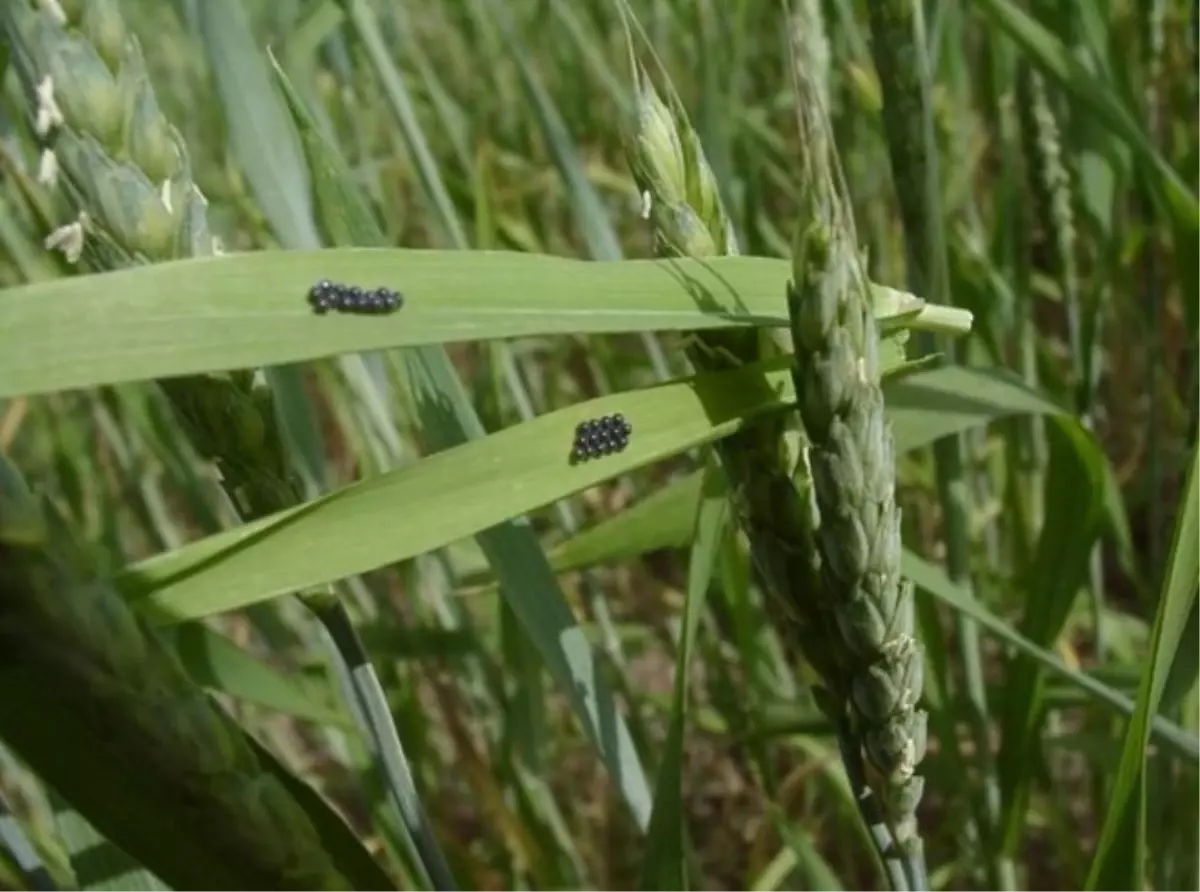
[[326, 296], [601, 436]]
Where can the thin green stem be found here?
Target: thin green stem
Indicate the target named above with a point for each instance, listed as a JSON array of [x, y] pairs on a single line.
[[371, 708], [905, 874]]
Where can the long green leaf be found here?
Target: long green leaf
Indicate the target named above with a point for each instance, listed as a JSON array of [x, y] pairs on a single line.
[[247, 310], [449, 495], [468, 488]]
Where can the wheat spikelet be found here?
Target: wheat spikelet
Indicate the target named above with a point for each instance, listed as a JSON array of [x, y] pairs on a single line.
[[122, 177], [825, 541], [688, 219], [851, 464]]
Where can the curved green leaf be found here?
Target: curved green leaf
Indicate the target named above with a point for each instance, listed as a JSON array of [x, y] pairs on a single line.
[[449, 495], [460, 491], [215, 662], [1119, 862]]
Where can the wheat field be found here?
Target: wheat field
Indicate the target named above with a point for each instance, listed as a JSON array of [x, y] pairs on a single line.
[[615, 444]]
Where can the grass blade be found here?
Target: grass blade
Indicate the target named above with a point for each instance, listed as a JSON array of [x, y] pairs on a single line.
[[665, 866], [264, 140], [470, 487], [1119, 862], [241, 311]]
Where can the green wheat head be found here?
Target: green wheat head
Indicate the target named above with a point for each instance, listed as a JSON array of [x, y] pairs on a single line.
[[120, 177], [109, 667]]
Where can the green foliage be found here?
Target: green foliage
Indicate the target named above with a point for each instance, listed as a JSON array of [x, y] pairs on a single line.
[[504, 670]]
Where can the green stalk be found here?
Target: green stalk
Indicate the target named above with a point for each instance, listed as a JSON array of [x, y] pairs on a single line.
[[1153, 22], [899, 50]]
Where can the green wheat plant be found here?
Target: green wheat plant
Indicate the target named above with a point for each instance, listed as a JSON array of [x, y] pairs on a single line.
[[881, 591], [817, 504]]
